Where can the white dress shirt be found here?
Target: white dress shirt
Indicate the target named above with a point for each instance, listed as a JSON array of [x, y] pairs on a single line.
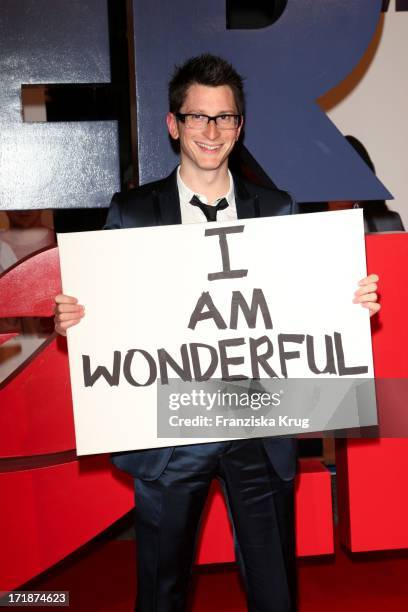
[[193, 214]]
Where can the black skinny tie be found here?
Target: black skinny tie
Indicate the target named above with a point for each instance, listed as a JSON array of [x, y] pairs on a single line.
[[209, 211]]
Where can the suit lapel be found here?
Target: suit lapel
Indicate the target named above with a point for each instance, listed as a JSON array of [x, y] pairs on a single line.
[[247, 205], [168, 201]]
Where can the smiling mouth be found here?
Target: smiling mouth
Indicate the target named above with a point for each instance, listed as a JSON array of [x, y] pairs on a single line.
[[208, 148]]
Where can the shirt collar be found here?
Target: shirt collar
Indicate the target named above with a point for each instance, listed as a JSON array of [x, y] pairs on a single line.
[[185, 193]]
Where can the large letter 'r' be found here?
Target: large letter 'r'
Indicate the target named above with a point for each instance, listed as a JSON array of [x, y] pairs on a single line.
[[312, 47]]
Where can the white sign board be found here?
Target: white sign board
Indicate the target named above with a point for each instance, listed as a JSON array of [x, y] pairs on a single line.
[[154, 296]]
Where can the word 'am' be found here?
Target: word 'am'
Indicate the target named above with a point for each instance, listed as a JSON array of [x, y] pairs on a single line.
[[259, 358], [260, 353]]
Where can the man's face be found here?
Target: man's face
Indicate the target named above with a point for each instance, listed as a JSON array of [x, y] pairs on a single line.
[[205, 148]]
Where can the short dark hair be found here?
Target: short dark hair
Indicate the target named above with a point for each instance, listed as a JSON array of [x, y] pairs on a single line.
[[205, 69]]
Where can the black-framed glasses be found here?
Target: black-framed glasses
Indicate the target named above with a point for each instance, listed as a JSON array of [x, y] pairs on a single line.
[[197, 120]]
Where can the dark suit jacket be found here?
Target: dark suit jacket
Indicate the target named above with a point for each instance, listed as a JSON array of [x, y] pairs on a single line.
[[158, 203]]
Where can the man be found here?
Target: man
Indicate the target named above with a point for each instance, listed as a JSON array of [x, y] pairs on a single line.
[[206, 117]]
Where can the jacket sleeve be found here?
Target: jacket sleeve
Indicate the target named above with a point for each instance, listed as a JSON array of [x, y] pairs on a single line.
[[294, 206], [114, 219]]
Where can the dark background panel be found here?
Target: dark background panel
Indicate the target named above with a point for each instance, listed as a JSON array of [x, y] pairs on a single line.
[[63, 164]]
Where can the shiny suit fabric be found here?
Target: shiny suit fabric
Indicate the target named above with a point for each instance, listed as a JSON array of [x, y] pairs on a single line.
[[172, 483]]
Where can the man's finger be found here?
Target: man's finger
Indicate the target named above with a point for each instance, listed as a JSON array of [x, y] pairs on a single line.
[[372, 278], [367, 297], [370, 288], [69, 308], [64, 325], [373, 307], [68, 316], [65, 299]]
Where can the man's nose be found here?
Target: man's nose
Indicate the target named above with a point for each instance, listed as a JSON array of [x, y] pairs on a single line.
[[211, 129]]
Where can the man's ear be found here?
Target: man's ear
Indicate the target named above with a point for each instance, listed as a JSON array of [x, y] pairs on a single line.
[[172, 126]]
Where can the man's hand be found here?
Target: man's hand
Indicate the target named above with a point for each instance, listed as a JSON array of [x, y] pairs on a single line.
[[366, 295], [67, 313]]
